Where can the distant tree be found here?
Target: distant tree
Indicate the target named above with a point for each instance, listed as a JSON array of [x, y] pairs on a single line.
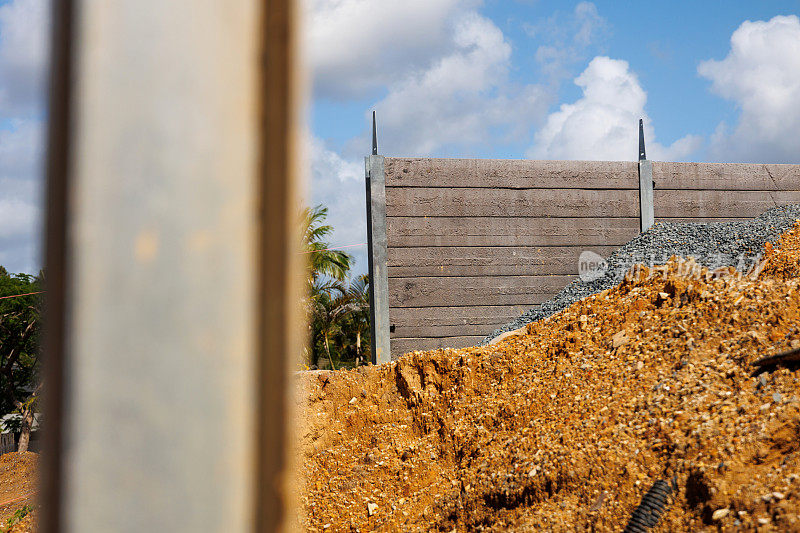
[[338, 309], [323, 261], [358, 301], [329, 306], [327, 271], [20, 322]]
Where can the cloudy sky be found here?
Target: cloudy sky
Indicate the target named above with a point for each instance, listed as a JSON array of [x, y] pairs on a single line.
[[546, 79], [23, 64]]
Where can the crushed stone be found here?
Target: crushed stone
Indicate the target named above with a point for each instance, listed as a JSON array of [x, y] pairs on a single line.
[[558, 429], [713, 245]]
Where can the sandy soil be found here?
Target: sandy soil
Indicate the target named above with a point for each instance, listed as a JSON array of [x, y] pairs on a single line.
[[18, 485], [565, 426]]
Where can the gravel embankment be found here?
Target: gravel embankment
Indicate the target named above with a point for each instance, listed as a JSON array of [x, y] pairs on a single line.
[[568, 424], [712, 245]]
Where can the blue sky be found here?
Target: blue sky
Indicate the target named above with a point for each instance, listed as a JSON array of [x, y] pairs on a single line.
[[546, 79], [664, 42], [714, 81], [23, 63]]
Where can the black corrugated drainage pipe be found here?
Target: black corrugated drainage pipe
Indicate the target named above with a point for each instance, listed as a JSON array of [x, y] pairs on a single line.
[[653, 504]]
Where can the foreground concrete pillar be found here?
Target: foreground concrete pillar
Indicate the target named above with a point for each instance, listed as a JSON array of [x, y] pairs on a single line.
[[172, 266]]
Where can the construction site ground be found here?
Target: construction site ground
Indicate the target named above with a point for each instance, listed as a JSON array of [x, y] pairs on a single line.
[[566, 425], [18, 489]]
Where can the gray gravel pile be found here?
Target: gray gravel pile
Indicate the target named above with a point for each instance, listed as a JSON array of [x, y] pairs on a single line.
[[737, 244]]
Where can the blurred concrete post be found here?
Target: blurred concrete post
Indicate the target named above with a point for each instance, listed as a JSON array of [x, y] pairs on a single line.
[[377, 250], [173, 272]]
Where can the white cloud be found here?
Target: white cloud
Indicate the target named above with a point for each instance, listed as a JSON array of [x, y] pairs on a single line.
[[761, 75], [590, 23], [21, 163], [21, 149], [463, 100], [23, 63], [357, 46], [20, 220], [23, 56], [603, 123], [444, 70], [339, 185], [568, 38]]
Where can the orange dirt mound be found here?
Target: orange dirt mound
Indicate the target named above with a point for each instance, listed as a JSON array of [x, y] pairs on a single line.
[[566, 426], [18, 486]]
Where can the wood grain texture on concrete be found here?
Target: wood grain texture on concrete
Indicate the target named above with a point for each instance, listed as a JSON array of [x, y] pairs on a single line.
[[452, 321], [447, 331], [462, 290], [510, 173], [456, 315], [698, 220], [509, 231], [726, 176], [710, 203], [474, 243], [488, 260], [572, 203]]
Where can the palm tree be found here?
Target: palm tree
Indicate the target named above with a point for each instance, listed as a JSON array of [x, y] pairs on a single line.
[[358, 296], [327, 271], [328, 307], [323, 261]]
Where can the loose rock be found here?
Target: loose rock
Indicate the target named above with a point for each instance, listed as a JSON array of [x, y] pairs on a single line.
[[714, 245], [561, 402], [719, 514]]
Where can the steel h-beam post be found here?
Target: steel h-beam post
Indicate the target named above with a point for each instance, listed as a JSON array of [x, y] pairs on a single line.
[[642, 155], [376, 239], [374, 135], [646, 214]]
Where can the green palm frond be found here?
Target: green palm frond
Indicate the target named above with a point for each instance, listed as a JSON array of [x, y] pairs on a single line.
[[323, 262]]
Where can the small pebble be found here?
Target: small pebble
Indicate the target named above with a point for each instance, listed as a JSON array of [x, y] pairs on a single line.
[[719, 514]]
